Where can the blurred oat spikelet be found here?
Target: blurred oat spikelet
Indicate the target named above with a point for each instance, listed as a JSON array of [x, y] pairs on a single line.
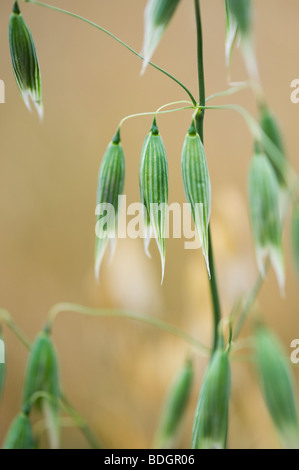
[[238, 29], [20, 434], [153, 184], [211, 415], [157, 15], [197, 186], [110, 186], [174, 407], [41, 387], [266, 224], [24, 61], [277, 386]]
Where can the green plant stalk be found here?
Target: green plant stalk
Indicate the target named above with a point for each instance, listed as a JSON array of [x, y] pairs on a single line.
[[74, 15], [97, 312], [80, 423], [7, 319], [199, 125], [250, 301], [158, 111]]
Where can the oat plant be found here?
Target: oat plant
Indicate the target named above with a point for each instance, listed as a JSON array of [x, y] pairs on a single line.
[[272, 192]]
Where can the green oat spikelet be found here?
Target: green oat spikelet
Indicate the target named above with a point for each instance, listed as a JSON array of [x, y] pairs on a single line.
[[277, 386], [153, 184], [211, 415], [174, 406], [238, 27], [197, 186], [263, 191], [24, 61], [110, 186], [231, 34], [42, 377], [241, 12], [20, 435], [42, 369], [157, 15]]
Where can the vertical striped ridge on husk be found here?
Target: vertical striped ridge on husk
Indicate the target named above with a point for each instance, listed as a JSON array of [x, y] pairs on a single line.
[[211, 415], [153, 180], [147, 230], [197, 186], [157, 15], [263, 191], [110, 186], [24, 61], [277, 386]]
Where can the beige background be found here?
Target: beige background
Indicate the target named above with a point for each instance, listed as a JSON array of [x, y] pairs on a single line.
[[116, 371]]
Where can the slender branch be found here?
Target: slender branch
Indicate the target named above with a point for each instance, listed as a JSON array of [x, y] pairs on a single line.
[[6, 317], [199, 124], [96, 312], [158, 111], [214, 292], [80, 423], [230, 91], [273, 151], [74, 15], [249, 301], [200, 65]]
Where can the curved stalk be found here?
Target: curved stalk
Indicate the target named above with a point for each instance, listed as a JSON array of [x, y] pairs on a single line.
[[96, 312], [104, 30]]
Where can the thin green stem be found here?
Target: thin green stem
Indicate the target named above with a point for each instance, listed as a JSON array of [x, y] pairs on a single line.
[[250, 301], [41, 426], [239, 86], [159, 110], [83, 310], [80, 423], [200, 64], [6, 317], [214, 292], [199, 125], [230, 91], [154, 113], [74, 15], [272, 150]]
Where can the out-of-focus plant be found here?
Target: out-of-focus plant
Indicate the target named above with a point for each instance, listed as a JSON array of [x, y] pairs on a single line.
[[272, 188]]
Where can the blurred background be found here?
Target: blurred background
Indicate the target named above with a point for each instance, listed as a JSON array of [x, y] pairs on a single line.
[[116, 371]]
